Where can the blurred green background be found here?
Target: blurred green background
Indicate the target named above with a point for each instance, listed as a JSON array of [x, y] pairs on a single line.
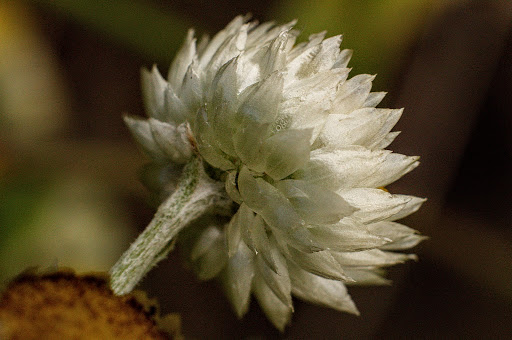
[[69, 189]]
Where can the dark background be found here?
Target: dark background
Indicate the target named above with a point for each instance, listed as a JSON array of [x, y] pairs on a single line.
[[69, 69]]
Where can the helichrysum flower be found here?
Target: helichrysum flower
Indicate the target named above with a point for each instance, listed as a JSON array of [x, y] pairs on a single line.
[[287, 154]]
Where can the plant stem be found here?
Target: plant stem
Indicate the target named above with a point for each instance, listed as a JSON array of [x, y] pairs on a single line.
[[196, 194]]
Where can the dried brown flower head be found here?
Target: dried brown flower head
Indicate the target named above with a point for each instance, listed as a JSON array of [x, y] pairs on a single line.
[[65, 305]]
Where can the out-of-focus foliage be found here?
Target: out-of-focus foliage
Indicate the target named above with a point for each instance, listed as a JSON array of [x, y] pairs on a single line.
[[379, 31], [47, 216], [63, 219], [136, 24], [32, 96]]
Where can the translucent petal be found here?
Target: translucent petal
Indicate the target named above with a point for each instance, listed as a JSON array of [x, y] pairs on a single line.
[[203, 44], [391, 230], [315, 204], [206, 144], [248, 142], [393, 167], [228, 50], [153, 88], [343, 59], [320, 263], [273, 32], [172, 140], [259, 32], [297, 67], [219, 39], [182, 60], [372, 258], [141, 131], [261, 242], [246, 219], [204, 242], [274, 57], [356, 167], [276, 311], [221, 107], [231, 187], [402, 236], [175, 110], [258, 110], [404, 243], [365, 127], [410, 207], [318, 290], [278, 282], [285, 152], [261, 101], [191, 93], [308, 102], [374, 99], [353, 93], [276, 210], [342, 168], [233, 233], [329, 52], [388, 139], [375, 204], [209, 254], [237, 279], [367, 277], [346, 236]]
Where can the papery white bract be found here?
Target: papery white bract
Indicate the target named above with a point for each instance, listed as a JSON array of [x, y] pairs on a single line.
[[300, 148]]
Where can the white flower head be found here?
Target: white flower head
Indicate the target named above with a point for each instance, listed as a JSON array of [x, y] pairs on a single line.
[[299, 149]]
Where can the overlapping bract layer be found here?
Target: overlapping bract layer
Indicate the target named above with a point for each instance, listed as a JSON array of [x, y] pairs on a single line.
[[301, 150]]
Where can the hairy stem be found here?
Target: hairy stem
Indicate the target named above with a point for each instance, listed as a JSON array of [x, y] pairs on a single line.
[[195, 194]]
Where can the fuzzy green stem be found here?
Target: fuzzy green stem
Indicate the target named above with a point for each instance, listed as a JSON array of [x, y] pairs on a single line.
[[196, 194]]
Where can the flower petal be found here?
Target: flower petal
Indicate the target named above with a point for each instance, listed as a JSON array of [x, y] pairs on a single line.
[[207, 146], [318, 290], [352, 94], [412, 206], [278, 281], [233, 233], [345, 236], [320, 263], [374, 204], [286, 152], [261, 242], [219, 39], [276, 210], [191, 93], [355, 167], [315, 204], [402, 237], [153, 88], [374, 99], [172, 140], [237, 279], [343, 59], [221, 106], [141, 131], [175, 110], [229, 49], [231, 187], [371, 258], [276, 311], [182, 61], [209, 253], [367, 277], [365, 127]]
